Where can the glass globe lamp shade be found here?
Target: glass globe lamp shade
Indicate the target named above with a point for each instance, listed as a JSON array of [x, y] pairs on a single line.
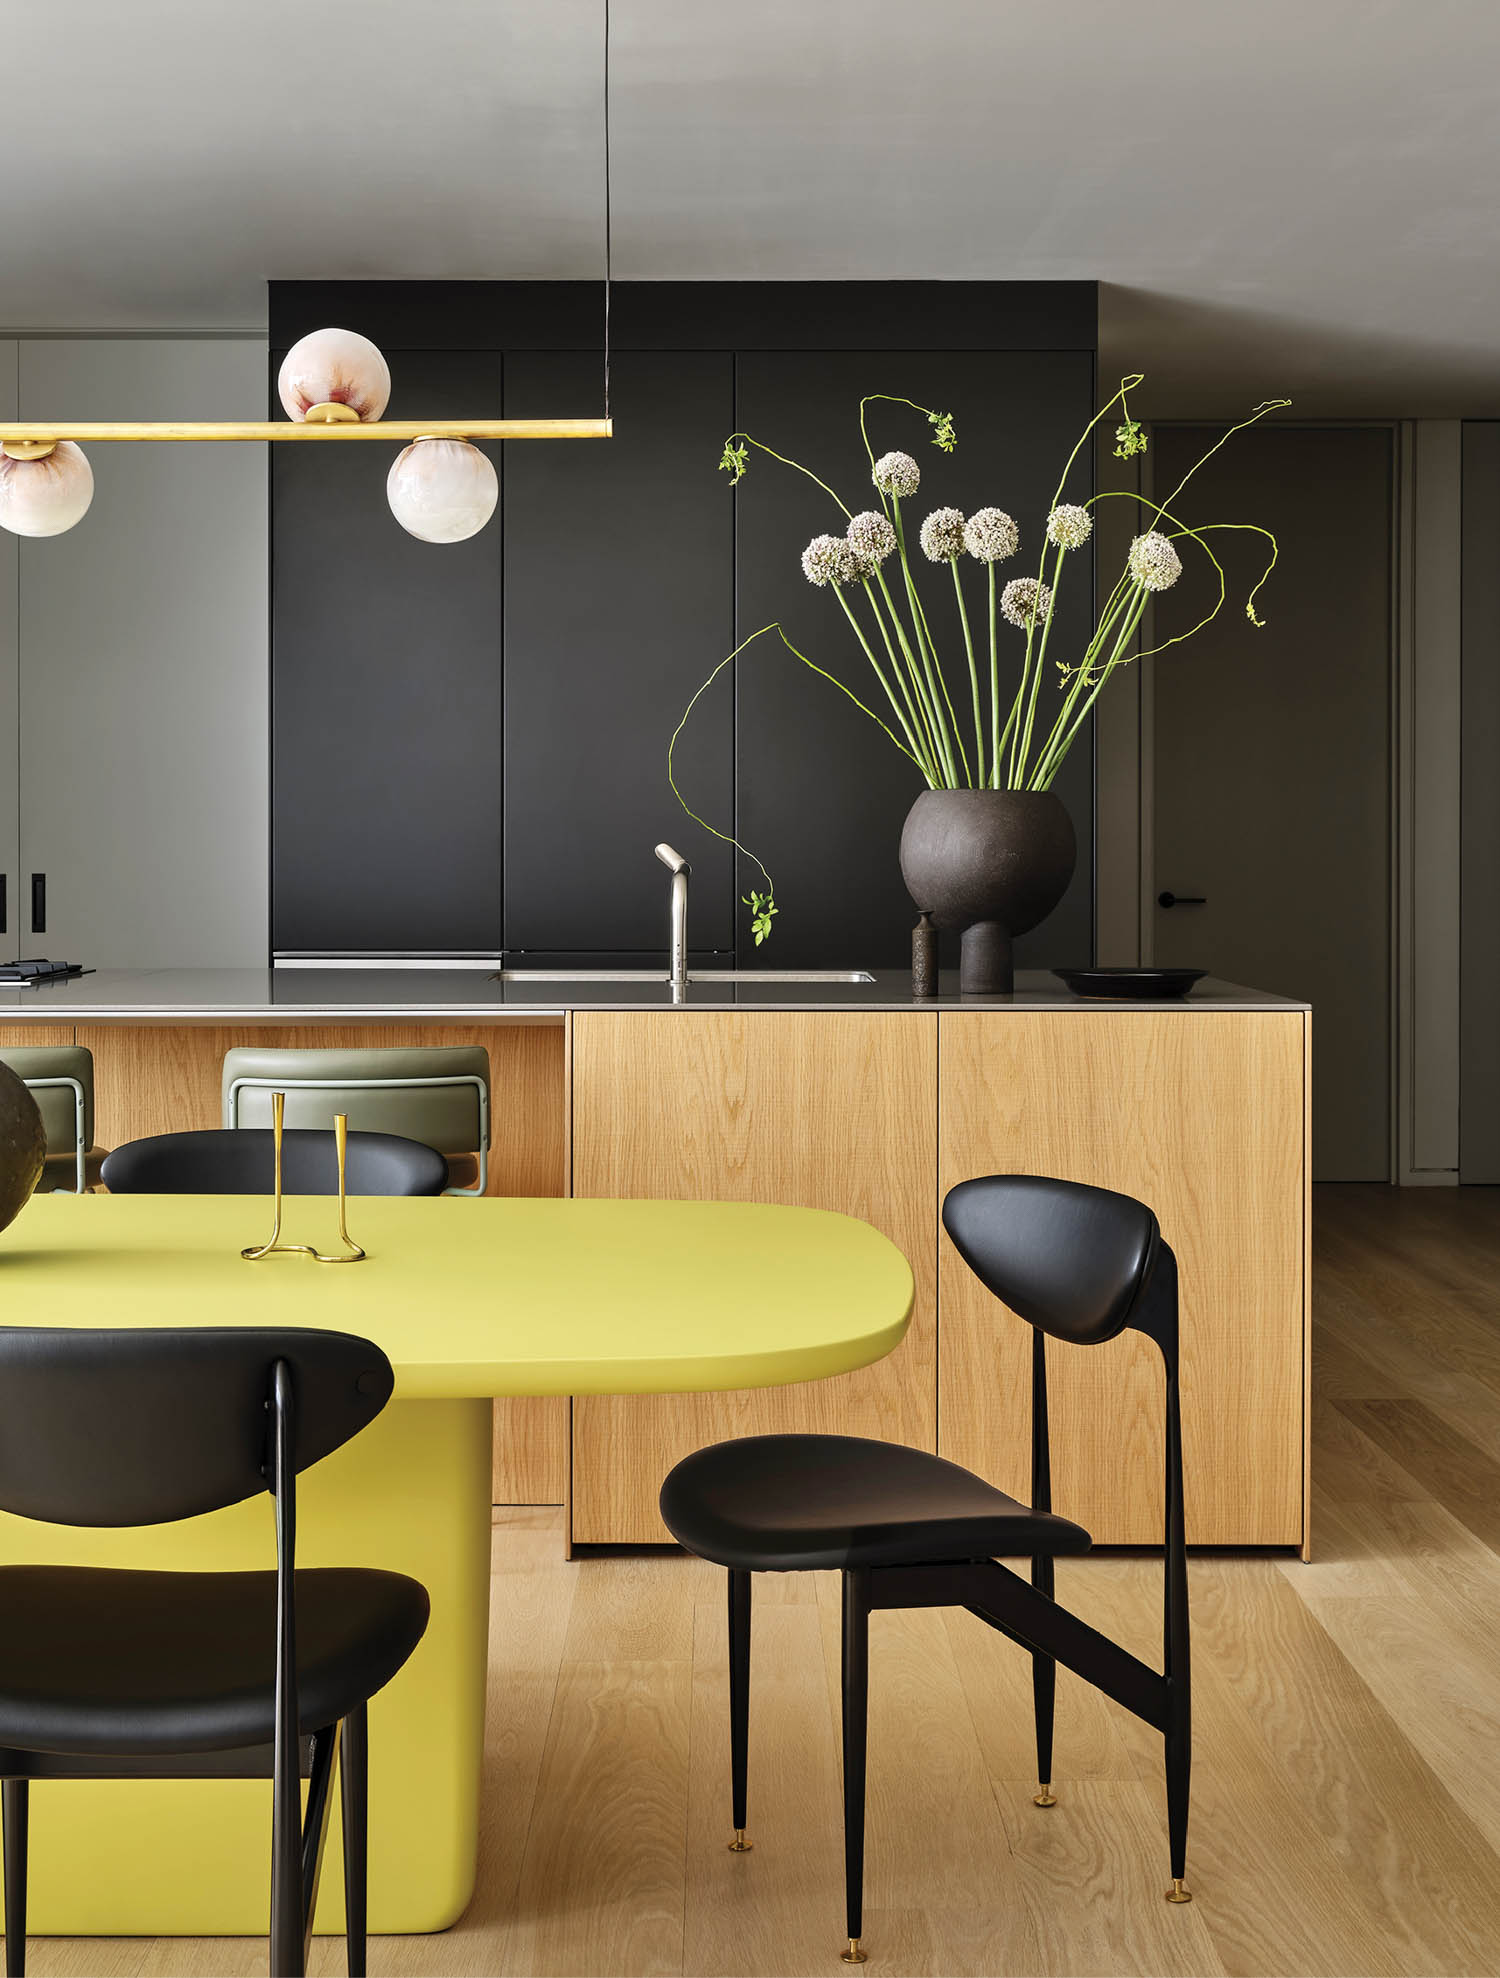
[[44, 497], [334, 367], [442, 491]]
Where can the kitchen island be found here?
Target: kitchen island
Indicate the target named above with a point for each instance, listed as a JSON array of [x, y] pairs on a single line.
[[848, 1096]]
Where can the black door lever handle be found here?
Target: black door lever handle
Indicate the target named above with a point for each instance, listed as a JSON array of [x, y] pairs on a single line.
[[1181, 900]]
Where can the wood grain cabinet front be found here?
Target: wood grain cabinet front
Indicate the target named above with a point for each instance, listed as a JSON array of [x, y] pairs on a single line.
[[830, 1110], [1201, 1114]]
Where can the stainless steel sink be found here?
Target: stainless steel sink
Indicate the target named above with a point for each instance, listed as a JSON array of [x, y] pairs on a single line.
[[523, 975]]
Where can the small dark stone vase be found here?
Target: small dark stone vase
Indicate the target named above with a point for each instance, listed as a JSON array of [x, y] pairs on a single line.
[[993, 863], [23, 1146]]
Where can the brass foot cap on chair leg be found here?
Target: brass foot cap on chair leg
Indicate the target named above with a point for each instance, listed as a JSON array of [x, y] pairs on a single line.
[[1043, 1796], [854, 1955], [1177, 1893], [739, 1845]]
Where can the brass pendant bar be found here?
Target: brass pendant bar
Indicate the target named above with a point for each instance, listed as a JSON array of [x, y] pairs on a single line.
[[47, 432]]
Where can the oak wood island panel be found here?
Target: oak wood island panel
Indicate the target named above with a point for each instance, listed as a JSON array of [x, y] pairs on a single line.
[[831, 1111]]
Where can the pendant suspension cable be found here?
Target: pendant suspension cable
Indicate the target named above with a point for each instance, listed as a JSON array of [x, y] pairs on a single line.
[[608, 216]]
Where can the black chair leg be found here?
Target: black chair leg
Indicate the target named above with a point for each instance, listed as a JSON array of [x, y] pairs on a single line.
[[1179, 1764], [1043, 1694], [739, 1703], [856, 1714], [15, 1797], [354, 1781]]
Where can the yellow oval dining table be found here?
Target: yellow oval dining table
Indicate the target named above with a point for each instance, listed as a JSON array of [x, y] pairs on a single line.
[[469, 1299]]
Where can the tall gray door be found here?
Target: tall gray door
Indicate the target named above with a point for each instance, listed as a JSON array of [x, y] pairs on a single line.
[[143, 672], [1272, 755]]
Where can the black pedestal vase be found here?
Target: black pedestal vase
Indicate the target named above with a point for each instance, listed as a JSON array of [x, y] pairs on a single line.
[[991, 863]]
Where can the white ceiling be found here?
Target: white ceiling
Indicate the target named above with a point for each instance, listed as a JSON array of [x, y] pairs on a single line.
[[1290, 196]]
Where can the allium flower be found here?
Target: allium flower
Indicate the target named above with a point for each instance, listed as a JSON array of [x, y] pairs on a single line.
[[871, 537], [1154, 564], [991, 535], [1069, 526], [943, 535], [1024, 601], [897, 474], [829, 560]]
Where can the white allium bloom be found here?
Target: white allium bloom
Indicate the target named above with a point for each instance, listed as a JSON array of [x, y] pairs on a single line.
[[897, 474], [991, 535], [871, 537], [829, 560], [1069, 526], [943, 535], [1154, 564], [1025, 602]]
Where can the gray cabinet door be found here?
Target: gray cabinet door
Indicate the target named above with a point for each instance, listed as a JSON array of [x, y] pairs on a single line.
[[10, 796], [143, 674]]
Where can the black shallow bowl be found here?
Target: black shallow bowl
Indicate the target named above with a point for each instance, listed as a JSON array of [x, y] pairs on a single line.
[[1136, 985]]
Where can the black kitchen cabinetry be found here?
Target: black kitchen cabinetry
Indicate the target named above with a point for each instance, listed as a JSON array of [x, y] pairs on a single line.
[[470, 740]]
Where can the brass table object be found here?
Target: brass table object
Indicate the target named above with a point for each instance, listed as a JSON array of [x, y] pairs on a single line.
[[274, 1247]]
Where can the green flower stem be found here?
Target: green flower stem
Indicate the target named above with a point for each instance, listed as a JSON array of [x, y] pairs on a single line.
[[910, 685], [940, 732], [1115, 659], [995, 738], [879, 672], [1128, 599], [931, 714], [1041, 656], [761, 447], [928, 650], [963, 612], [723, 836], [848, 694]]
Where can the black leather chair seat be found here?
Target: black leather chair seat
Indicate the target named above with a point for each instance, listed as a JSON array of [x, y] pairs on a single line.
[[792, 1503], [113, 1663]]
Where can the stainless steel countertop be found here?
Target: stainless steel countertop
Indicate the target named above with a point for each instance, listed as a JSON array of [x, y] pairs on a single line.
[[437, 996]]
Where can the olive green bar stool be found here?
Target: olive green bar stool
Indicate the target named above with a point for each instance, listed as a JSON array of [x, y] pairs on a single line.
[[60, 1077], [436, 1093]]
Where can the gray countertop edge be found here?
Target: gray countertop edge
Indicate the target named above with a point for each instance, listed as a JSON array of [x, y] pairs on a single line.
[[260, 996]]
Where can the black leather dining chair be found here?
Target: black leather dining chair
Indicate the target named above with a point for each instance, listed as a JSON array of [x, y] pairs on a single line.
[[220, 1162], [909, 1529], [112, 1673]]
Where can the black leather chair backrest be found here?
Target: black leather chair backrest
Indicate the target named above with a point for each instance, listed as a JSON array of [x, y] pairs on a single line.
[[221, 1162], [146, 1426], [1072, 1260]]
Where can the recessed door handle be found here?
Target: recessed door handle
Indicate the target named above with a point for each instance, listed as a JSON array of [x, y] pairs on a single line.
[[38, 902], [1181, 900]]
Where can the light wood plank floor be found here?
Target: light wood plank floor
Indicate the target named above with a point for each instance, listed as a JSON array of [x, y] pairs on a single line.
[[1346, 1813]]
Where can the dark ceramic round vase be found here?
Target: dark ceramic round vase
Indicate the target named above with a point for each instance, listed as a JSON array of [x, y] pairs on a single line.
[[23, 1146], [991, 863]]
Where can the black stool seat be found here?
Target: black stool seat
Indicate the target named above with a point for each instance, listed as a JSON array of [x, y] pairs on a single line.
[[117, 1663], [799, 1503]]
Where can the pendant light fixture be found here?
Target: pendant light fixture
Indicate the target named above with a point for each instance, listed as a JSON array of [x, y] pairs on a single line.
[[334, 385]]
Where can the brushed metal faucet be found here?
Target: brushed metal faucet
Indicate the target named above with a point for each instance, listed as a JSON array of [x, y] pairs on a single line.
[[679, 868]]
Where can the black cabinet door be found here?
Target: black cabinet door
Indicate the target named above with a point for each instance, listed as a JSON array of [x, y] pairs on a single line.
[[821, 794], [619, 586], [386, 695]]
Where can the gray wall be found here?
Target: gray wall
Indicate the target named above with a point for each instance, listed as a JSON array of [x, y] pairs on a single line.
[[1479, 1095], [139, 643]]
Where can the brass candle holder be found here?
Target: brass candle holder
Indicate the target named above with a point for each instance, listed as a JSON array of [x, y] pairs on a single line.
[[274, 1247]]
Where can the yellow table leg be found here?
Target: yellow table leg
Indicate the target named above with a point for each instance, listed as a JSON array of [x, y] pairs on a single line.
[[192, 1857]]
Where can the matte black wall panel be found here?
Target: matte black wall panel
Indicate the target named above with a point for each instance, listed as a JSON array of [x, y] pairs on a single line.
[[386, 696], [693, 316], [619, 597], [822, 793], [418, 730]]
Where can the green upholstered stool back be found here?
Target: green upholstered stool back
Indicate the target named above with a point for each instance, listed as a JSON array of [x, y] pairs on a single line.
[[58, 1103], [370, 1086]]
